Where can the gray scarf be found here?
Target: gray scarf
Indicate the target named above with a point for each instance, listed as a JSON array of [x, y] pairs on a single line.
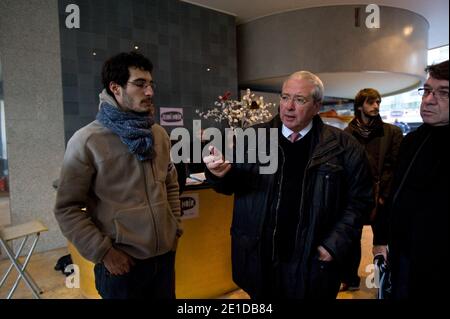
[[134, 129]]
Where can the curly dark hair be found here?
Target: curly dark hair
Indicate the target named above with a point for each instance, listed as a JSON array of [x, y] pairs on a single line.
[[438, 71], [116, 70]]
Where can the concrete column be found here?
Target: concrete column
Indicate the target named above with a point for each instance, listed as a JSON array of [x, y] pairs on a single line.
[[31, 71]]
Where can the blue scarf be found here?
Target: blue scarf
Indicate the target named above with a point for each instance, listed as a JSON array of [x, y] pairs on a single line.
[[134, 129]]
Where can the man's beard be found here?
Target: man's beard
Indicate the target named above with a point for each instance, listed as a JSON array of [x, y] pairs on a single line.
[[370, 116], [128, 102]]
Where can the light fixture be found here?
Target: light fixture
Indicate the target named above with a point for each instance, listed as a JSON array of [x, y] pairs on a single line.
[[408, 30], [94, 53], [136, 47]]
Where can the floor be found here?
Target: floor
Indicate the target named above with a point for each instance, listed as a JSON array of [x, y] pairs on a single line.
[[53, 283]]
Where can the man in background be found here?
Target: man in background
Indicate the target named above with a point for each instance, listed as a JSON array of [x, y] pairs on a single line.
[[382, 143]]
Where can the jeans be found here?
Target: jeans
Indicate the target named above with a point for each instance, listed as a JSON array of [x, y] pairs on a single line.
[[152, 278]]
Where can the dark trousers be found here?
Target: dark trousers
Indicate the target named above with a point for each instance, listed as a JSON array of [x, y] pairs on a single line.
[[152, 278], [400, 278], [284, 282], [324, 281], [351, 266]]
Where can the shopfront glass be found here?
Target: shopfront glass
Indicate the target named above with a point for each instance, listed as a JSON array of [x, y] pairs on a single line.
[[4, 190]]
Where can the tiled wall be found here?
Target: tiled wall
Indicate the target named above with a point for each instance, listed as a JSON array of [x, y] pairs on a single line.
[[182, 41]]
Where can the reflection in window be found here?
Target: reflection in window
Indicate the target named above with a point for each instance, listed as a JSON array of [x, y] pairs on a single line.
[[3, 154], [402, 110], [4, 189]]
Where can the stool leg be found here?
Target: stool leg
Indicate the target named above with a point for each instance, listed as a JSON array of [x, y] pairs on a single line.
[[27, 259], [23, 274], [11, 266], [24, 265]]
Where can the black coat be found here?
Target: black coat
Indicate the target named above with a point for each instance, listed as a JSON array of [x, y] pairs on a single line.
[[337, 193], [387, 145], [388, 140], [419, 211]]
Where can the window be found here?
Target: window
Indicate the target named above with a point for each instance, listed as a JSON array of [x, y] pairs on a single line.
[[405, 107]]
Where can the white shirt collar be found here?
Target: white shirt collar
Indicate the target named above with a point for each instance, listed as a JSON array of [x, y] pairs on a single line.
[[286, 131]]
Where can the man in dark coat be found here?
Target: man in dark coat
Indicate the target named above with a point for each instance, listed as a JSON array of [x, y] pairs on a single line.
[[419, 206], [382, 143], [292, 229]]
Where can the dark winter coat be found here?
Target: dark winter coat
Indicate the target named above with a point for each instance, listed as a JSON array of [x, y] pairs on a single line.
[[419, 215], [337, 193], [386, 142]]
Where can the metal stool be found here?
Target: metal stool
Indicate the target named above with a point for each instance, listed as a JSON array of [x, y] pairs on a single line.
[[26, 230]]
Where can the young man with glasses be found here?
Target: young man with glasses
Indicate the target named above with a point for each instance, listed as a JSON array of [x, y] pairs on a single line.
[[418, 204], [118, 200], [291, 230]]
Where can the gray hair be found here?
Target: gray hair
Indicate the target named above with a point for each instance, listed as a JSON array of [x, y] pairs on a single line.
[[313, 79]]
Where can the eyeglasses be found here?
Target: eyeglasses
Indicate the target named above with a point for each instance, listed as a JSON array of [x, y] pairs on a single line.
[[439, 93], [298, 100], [143, 84]]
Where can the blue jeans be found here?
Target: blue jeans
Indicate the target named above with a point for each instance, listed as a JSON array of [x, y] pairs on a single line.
[[152, 278]]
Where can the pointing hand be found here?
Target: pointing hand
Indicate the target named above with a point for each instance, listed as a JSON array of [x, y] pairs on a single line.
[[216, 163]]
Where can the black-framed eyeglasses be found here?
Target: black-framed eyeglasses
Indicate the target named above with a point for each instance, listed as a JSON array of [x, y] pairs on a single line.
[[143, 84], [440, 94], [298, 100]]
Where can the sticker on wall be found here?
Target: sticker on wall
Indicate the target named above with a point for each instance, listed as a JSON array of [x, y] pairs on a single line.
[[171, 116], [190, 206]]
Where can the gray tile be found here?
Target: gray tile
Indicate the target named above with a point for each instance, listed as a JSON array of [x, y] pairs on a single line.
[[70, 94], [100, 41], [71, 108], [69, 79], [113, 44], [126, 32], [85, 65], [68, 65], [83, 39], [139, 22], [126, 45]]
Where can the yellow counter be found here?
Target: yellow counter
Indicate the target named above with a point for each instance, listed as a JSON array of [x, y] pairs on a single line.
[[203, 259]]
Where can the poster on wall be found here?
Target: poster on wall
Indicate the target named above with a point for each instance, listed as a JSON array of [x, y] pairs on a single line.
[[190, 206], [171, 116]]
